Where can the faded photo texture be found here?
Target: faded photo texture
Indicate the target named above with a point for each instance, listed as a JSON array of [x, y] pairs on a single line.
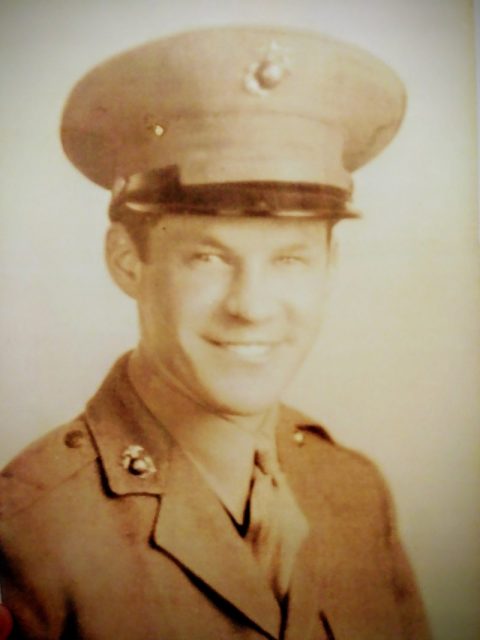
[[396, 370]]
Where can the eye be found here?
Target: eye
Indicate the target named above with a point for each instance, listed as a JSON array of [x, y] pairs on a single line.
[[291, 260], [207, 258]]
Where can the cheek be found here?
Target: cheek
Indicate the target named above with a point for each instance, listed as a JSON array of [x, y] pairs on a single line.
[[307, 297], [183, 299]]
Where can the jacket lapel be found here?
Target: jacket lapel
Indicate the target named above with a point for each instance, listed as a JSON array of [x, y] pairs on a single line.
[[191, 524], [305, 606], [193, 527]]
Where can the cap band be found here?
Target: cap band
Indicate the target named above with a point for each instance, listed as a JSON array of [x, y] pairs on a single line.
[[160, 191]]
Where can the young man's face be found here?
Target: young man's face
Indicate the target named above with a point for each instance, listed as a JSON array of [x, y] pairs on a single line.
[[229, 307]]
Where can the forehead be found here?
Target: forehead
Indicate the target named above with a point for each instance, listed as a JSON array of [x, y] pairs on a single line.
[[240, 233]]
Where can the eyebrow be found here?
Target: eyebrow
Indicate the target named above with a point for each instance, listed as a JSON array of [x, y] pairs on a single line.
[[293, 248], [208, 241]]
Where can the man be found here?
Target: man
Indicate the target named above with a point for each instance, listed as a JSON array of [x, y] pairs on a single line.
[[186, 501]]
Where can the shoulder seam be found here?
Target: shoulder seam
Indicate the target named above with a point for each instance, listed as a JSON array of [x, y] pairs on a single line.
[[44, 465], [39, 494]]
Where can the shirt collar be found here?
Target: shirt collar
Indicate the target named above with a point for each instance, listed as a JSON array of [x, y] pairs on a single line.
[[221, 448]]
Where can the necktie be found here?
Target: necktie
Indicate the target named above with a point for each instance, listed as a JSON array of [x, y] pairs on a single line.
[[277, 525]]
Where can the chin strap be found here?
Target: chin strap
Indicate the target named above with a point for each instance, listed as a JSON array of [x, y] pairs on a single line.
[[161, 191]]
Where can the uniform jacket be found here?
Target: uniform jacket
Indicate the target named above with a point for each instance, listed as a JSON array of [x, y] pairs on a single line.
[[89, 550]]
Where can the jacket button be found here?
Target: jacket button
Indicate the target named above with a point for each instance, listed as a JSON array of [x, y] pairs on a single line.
[[299, 437], [74, 439]]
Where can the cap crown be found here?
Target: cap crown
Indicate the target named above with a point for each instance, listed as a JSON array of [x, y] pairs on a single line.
[[234, 104]]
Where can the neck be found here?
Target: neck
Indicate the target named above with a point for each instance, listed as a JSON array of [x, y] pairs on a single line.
[[171, 404]]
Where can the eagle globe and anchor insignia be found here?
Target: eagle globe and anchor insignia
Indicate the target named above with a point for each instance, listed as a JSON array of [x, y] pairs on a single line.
[[264, 75]]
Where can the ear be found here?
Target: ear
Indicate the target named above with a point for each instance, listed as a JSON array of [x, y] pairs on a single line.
[[123, 261]]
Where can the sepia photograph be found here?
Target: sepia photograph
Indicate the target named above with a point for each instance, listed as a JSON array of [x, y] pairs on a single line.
[[240, 293]]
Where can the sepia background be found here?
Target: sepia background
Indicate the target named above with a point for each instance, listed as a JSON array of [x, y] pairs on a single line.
[[396, 372]]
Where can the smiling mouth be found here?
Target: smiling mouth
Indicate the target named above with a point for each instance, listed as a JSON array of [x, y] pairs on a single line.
[[248, 351]]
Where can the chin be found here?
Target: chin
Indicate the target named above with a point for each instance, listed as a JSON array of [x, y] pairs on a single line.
[[243, 402]]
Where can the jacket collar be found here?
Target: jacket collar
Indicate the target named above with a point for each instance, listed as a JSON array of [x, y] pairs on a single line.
[[191, 524], [117, 420]]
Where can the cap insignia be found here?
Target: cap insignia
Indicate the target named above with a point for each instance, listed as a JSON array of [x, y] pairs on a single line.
[[267, 73]]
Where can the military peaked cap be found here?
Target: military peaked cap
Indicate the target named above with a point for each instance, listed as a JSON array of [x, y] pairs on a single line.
[[233, 120]]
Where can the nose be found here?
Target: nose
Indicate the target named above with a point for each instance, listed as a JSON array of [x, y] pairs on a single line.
[[251, 296]]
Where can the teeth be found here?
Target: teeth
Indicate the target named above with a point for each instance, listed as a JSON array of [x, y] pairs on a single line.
[[250, 351]]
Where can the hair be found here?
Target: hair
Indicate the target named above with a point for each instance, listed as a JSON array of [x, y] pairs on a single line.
[[138, 226]]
